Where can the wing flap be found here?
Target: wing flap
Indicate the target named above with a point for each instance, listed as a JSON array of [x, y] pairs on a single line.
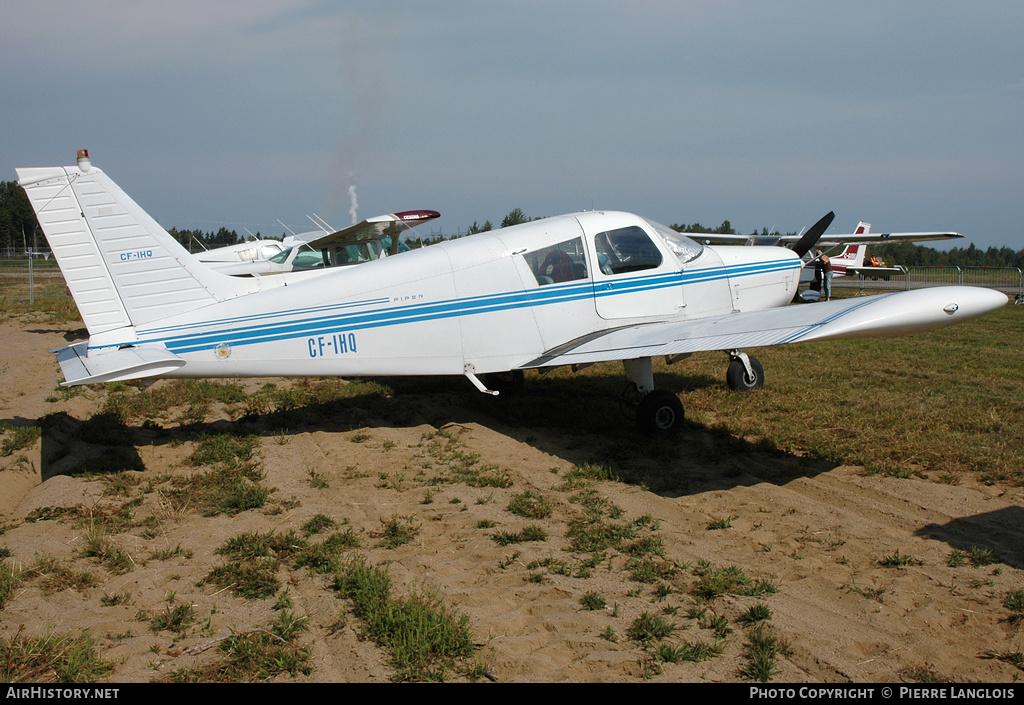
[[885, 314], [115, 366]]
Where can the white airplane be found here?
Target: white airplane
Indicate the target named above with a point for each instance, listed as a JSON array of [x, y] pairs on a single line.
[[364, 242], [246, 252], [569, 290]]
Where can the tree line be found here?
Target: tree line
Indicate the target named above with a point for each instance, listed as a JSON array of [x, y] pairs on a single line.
[[20, 232], [196, 240], [19, 229]]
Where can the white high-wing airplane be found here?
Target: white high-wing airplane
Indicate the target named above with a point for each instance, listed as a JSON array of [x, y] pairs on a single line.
[[244, 252], [569, 290], [364, 242]]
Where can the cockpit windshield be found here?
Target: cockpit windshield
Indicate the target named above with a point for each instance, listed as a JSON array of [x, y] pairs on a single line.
[[682, 247], [280, 257]]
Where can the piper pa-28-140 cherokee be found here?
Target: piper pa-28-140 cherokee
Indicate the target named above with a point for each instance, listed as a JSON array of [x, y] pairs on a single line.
[[568, 290]]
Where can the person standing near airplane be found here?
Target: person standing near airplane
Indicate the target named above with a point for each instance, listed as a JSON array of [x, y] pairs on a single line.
[[823, 275], [826, 279]]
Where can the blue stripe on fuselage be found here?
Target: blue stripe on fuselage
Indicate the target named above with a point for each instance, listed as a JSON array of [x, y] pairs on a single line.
[[338, 318]]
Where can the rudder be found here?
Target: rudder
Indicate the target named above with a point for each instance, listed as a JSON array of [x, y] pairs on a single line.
[[122, 267]]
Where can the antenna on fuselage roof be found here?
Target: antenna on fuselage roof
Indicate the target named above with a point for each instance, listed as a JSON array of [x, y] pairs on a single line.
[[321, 223], [287, 228], [573, 177]]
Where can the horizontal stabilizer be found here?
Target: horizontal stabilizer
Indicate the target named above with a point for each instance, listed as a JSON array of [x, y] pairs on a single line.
[[115, 366], [877, 271]]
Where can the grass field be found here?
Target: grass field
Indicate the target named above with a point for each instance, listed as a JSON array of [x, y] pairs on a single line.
[[47, 293], [946, 403]]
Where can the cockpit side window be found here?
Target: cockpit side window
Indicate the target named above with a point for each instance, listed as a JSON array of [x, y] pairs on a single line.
[[269, 250], [626, 250], [564, 262]]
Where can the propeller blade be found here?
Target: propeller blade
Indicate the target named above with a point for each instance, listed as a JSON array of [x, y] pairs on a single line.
[[813, 234]]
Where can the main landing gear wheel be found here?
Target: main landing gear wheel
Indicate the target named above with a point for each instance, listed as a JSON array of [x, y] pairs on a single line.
[[740, 378], [660, 412]]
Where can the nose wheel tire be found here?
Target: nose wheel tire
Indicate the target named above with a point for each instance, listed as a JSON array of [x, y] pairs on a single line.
[[660, 412], [739, 379]]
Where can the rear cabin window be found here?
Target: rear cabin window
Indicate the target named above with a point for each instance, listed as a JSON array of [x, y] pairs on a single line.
[[357, 253], [626, 250], [559, 263], [309, 259]]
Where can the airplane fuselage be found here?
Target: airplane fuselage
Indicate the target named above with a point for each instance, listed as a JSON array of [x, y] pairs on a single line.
[[480, 304]]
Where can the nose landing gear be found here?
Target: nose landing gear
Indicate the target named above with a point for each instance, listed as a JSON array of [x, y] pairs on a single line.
[[745, 373]]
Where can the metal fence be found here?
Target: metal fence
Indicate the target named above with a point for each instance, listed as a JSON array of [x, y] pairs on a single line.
[[1009, 280], [30, 279]]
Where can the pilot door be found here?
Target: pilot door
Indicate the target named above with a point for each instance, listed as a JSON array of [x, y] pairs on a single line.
[[633, 276]]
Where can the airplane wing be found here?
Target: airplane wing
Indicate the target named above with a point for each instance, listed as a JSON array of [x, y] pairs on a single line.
[[875, 238], [886, 314], [373, 228], [840, 239]]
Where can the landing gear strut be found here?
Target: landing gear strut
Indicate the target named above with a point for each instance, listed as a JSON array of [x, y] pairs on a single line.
[[657, 411]]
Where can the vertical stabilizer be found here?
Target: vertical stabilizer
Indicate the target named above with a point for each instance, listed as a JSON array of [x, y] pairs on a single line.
[[122, 267], [852, 256]]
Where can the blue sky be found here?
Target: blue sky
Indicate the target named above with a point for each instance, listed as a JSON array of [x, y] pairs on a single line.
[[908, 115]]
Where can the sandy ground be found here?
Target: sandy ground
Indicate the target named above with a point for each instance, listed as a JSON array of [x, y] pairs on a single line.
[[818, 533]]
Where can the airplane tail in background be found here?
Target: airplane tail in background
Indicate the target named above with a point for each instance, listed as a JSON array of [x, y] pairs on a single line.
[[122, 268], [851, 256]]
